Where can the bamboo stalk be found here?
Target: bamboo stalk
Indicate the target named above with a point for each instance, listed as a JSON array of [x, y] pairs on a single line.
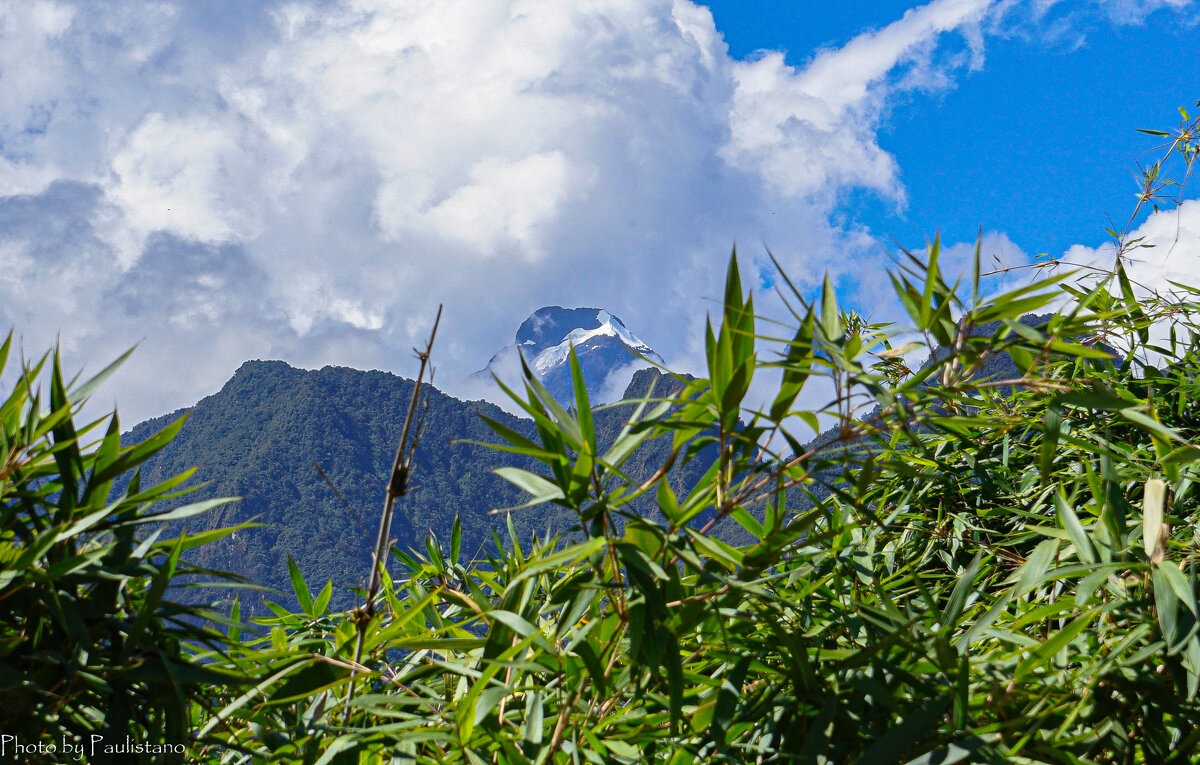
[[397, 486]]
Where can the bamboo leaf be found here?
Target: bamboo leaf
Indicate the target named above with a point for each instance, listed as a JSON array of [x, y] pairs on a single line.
[[583, 406], [1070, 522], [958, 597], [300, 587], [831, 320], [1183, 455], [1057, 642], [1180, 584], [541, 489]]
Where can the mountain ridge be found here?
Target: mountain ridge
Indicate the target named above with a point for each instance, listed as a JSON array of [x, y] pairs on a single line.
[[608, 352], [260, 435]]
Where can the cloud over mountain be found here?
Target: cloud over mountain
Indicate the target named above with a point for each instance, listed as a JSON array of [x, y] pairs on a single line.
[[308, 180]]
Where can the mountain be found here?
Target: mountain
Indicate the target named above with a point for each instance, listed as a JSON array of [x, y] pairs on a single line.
[[260, 436], [608, 352]]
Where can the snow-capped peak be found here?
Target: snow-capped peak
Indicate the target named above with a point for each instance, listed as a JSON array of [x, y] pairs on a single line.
[[608, 351], [608, 326]]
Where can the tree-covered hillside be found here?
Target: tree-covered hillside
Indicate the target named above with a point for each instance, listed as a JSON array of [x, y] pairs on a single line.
[[260, 437]]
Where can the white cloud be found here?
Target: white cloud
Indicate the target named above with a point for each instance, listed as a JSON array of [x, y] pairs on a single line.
[[30, 74], [185, 176], [1066, 24], [308, 180], [504, 203], [1170, 251], [1167, 255], [1135, 11]]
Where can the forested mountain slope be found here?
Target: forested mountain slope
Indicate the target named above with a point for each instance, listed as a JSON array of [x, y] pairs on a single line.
[[260, 435]]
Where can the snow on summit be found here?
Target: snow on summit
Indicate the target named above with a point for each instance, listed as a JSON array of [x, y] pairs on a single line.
[[608, 326], [608, 352]]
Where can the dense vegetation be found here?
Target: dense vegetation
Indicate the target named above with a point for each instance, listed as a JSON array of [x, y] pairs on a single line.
[[89, 647], [991, 570], [263, 435]]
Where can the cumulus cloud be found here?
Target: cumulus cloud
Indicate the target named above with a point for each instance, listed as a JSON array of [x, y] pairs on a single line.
[[308, 179], [1169, 250], [802, 129]]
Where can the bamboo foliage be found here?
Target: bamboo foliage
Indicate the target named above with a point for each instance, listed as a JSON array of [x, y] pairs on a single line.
[[990, 558], [92, 642], [930, 583]]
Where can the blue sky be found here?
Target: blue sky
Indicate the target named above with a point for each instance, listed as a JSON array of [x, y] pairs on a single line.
[[1043, 144], [1039, 142], [307, 180]]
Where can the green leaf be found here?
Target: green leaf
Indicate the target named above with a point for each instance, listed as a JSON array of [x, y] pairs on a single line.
[[592, 663], [235, 621], [1033, 570], [1150, 424], [1180, 584], [1022, 358], [1166, 603], [566, 425], [1057, 642], [1052, 430], [975, 269], [668, 503], [455, 538], [534, 715], [958, 597], [4, 349], [628, 440], [488, 700], [514, 622], [797, 366], [300, 587], [1081, 351], [583, 407], [950, 753], [148, 607], [336, 751], [140, 452], [79, 394], [323, 597], [575, 552], [184, 511], [748, 522], [519, 443], [309, 677], [831, 320], [541, 489], [975, 631], [1070, 522], [1183, 455], [932, 278], [110, 447], [674, 666], [733, 283]]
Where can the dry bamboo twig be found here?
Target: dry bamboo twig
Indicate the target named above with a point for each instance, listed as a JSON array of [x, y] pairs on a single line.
[[397, 486]]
